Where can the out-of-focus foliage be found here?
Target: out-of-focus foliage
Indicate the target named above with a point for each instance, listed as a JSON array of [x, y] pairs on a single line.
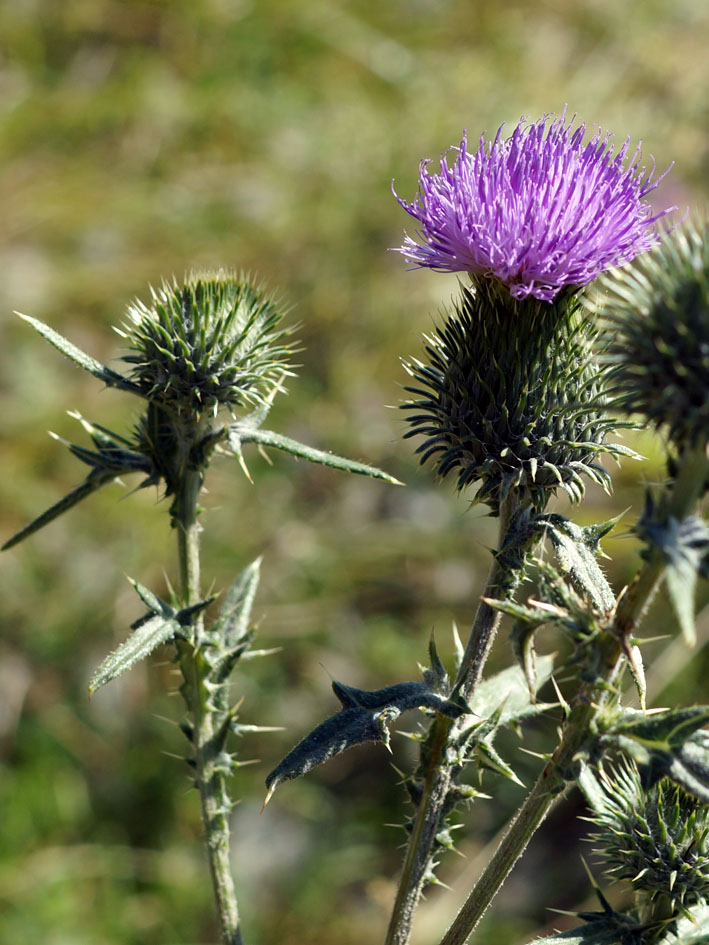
[[137, 140]]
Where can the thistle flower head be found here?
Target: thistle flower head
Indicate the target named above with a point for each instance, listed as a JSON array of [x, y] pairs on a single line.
[[656, 316], [211, 342], [538, 211], [503, 395], [656, 839]]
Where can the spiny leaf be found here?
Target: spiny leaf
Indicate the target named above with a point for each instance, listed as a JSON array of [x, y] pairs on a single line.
[[601, 932], [667, 744], [683, 545], [91, 484], [692, 929], [99, 370], [508, 692], [242, 433], [670, 728], [404, 695], [338, 733], [576, 551], [486, 756], [152, 601], [235, 614], [148, 634], [365, 716]]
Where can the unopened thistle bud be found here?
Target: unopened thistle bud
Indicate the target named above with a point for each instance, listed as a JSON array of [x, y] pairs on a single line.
[[211, 342], [656, 315]]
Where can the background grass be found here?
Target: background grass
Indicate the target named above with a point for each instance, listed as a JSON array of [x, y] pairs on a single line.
[[139, 139]]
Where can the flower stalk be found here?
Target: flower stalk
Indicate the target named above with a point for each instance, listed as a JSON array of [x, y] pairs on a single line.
[[438, 776], [210, 780]]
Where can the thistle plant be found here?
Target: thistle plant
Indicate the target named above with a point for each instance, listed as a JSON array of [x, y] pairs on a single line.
[[580, 313], [206, 358]]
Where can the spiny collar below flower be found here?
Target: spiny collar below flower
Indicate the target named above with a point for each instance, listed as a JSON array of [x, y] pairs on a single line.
[[510, 395]]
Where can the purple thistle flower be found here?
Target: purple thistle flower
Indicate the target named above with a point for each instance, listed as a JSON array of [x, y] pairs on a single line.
[[538, 210]]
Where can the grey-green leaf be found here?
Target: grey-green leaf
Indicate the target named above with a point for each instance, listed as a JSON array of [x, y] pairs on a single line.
[[147, 636], [576, 550], [235, 614], [681, 579], [667, 744], [603, 932], [249, 434], [365, 716], [99, 370], [683, 544], [691, 929], [91, 484], [508, 692]]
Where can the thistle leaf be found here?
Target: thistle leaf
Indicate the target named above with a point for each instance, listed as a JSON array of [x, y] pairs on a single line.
[[152, 601], [366, 716], [667, 744], [576, 551], [232, 624], [600, 932], [508, 692], [250, 434], [681, 582], [149, 633], [691, 929], [99, 370], [91, 484], [683, 545]]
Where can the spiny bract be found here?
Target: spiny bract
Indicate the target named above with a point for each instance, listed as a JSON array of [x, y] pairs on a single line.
[[212, 342], [656, 318], [499, 397]]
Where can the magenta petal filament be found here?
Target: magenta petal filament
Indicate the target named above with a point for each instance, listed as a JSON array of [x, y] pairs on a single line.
[[538, 211]]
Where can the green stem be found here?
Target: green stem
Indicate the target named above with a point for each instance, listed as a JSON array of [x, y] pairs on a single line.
[[199, 695], [588, 703], [437, 774]]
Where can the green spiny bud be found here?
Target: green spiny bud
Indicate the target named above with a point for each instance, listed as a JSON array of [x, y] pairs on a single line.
[[211, 342], [656, 839], [656, 314], [503, 397]]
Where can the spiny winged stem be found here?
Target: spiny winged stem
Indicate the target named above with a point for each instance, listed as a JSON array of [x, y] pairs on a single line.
[[211, 781], [587, 705], [437, 774]]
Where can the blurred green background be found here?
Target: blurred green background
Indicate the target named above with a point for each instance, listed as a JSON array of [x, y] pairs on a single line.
[[139, 139]]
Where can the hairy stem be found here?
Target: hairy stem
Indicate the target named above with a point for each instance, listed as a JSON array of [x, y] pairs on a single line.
[[437, 774], [210, 779], [588, 703]]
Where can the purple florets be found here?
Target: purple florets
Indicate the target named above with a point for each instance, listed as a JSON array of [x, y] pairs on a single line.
[[539, 210]]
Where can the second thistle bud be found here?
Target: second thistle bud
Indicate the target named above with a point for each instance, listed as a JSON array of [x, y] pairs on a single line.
[[214, 341], [657, 320]]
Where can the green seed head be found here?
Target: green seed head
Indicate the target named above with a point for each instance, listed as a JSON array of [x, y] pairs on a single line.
[[211, 342], [503, 395], [656, 839], [656, 316]]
